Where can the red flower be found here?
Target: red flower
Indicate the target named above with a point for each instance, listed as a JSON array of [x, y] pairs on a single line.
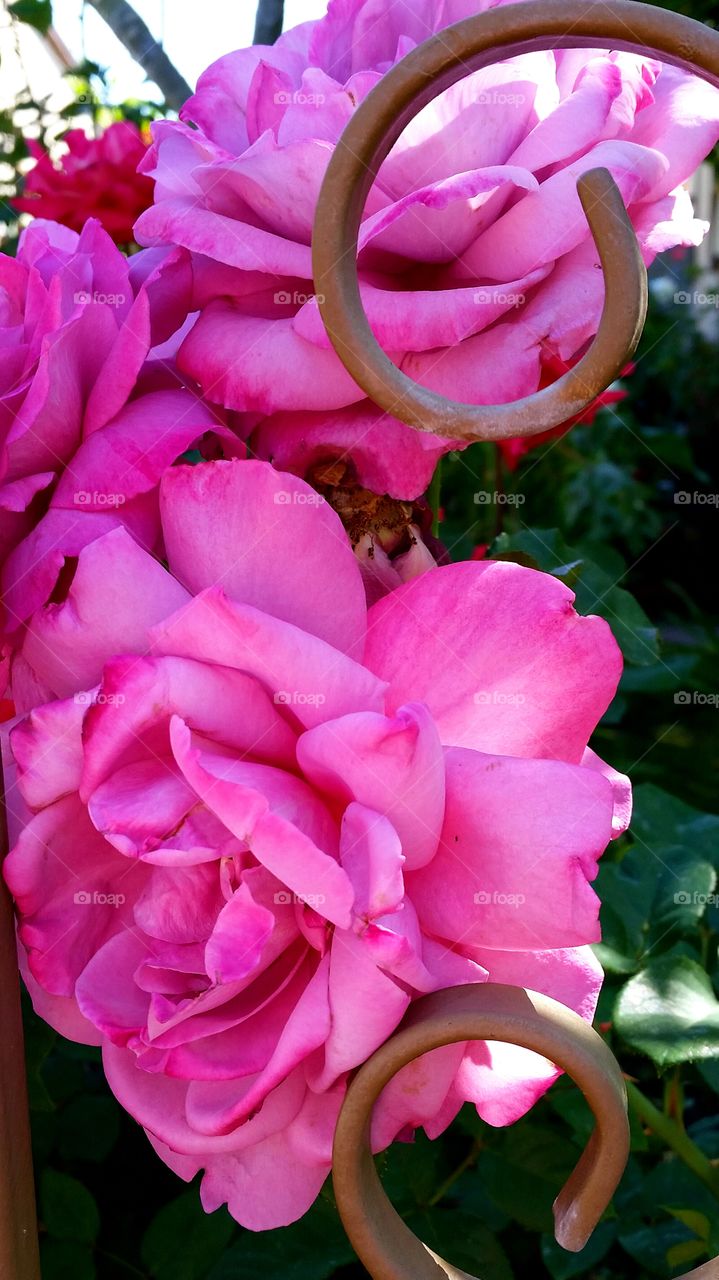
[[553, 366], [96, 178]]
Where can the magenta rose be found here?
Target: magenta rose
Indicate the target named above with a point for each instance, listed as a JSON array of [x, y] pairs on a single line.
[[476, 263], [94, 177], [92, 409], [259, 820]]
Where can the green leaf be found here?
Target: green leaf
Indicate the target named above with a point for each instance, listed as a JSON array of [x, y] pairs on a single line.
[[626, 891], [88, 1128], [60, 1259], [660, 818], [633, 631], [684, 890], [670, 1012], [37, 13], [651, 1245], [661, 886], [710, 1073], [412, 1171], [526, 1171], [462, 1240], [543, 549], [568, 1102], [704, 1133], [182, 1242], [311, 1249], [68, 1210], [641, 1192], [695, 1221], [689, 1251], [667, 676]]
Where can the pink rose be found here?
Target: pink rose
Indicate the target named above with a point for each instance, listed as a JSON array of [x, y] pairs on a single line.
[[92, 409], [95, 177], [476, 263], [248, 840]]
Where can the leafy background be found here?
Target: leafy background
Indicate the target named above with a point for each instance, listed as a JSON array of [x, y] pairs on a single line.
[[482, 1197]]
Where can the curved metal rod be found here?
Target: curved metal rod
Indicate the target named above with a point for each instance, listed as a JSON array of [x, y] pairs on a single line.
[[376, 125], [481, 1011]]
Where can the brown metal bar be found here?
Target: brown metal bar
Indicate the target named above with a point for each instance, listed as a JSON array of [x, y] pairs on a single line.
[[19, 1256], [374, 128], [481, 1011]]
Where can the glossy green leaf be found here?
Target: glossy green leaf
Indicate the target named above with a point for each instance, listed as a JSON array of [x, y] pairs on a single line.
[[464, 1241], [525, 1172], [652, 1245], [311, 1249], [669, 1012], [695, 1221], [183, 1242]]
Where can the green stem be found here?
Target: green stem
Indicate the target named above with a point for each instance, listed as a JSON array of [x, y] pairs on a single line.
[[434, 495], [675, 1137], [456, 1174], [498, 491], [121, 1262]]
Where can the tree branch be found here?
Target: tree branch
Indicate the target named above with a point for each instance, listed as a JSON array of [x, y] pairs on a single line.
[[268, 23], [139, 41]]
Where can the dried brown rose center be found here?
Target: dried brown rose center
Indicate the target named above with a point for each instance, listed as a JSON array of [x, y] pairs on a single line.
[[386, 520]]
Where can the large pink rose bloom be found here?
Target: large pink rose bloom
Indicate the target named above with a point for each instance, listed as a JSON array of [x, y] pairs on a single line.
[[476, 262], [250, 840], [92, 409]]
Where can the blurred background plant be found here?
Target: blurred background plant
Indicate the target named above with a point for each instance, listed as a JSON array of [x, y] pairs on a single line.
[[625, 509], [68, 151]]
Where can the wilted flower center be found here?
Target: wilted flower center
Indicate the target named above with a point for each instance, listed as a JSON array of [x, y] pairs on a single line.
[[387, 520]]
